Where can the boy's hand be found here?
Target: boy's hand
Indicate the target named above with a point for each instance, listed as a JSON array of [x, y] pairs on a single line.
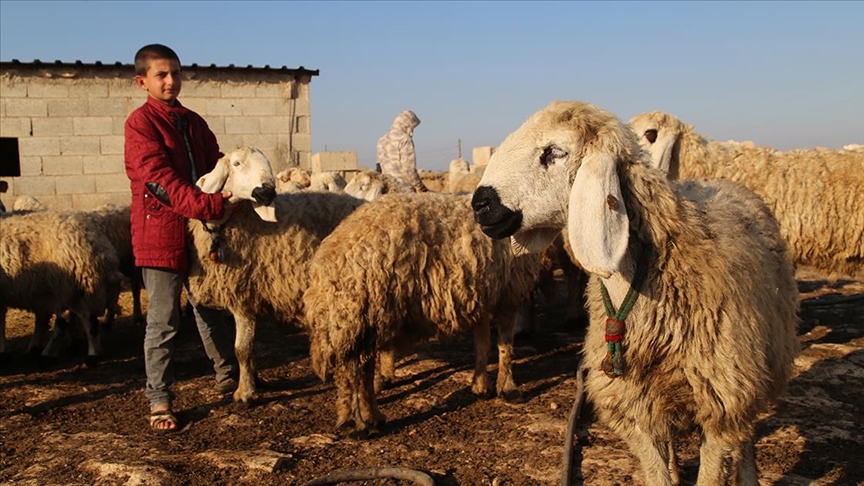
[[226, 195]]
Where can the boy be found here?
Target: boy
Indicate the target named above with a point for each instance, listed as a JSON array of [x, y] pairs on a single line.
[[167, 147]]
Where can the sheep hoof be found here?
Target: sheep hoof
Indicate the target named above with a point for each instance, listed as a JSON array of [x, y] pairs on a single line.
[[512, 396], [92, 361]]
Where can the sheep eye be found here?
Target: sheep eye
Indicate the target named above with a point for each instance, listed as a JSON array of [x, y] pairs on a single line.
[[651, 135], [549, 155], [235, 163]]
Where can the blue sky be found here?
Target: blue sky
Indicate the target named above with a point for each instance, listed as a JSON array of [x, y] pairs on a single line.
[[782, 74]]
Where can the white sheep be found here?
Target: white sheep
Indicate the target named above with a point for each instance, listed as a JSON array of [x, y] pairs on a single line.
[[711, 335], [327, 181], [51, 262], [402, 269], [292, 179], [28, 203], [369, 184], [264, 257], [816, 195]]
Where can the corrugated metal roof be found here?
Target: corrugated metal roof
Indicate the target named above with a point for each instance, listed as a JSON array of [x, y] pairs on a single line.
[[98, 64]]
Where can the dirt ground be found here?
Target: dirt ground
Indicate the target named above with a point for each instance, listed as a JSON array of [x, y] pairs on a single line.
[[62, 423]]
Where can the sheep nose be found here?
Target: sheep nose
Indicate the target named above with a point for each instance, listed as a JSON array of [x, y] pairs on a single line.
[[484, 201], [495, 219], [264, 194]]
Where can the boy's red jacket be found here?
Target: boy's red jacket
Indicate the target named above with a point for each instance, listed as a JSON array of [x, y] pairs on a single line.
[[163, 192]]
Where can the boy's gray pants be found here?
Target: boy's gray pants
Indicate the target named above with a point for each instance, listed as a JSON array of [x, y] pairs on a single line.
[[163, 322]]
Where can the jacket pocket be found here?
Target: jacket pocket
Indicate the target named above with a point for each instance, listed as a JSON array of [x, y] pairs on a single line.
[[164, 230]]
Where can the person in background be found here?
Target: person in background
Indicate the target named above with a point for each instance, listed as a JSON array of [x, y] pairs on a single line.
[[167, 147], [396, 155]]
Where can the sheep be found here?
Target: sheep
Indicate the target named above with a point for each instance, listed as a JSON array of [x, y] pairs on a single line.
[[114, 221], [51, 262], [711, 336], [293, 179], [369, 184], [405, 268], [261, 260], [327, 181], [28, 203], [815, 195]]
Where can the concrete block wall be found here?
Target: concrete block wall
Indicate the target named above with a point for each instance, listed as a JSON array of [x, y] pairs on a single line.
[[481, 155], [69, 124]]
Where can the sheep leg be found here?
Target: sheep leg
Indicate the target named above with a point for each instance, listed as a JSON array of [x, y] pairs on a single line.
[[243, 344], [60, 338], [482, 343], [673, 463], [505, 385], [370, 416], [137, 315], [653, 454], [386, 369], [40, 329], [2, 330], [724, 460], [90, 323], [345, 393]]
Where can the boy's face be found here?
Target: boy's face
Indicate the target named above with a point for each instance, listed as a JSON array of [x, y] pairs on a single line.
[[163, 80]]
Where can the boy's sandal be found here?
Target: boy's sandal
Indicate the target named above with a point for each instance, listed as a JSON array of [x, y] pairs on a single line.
[[162, 417]]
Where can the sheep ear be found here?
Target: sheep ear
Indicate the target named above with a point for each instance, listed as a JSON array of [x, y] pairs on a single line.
[[597, 224], [664, 146], [213, 181]]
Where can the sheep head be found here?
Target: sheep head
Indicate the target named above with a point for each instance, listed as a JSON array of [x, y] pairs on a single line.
[[247, 173], [659, 133], [560, 168]]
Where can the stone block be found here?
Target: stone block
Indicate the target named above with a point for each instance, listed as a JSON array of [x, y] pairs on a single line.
[[75, 184], [224, 107], [105, 164], [113, 107], [88, 90], [123, 89], [17, 127], [13, 87], [111, 182], [242, 124], [227, 142], [276, 124], [80, 145], [62, 165], [259, 106], [68, 107], [111, 145], [301, 142], [34, 186], [261, 142], [291, 107], [196, 104], [273, 90], [238, 90], [334, 161], [39, 146], [92, 125], [200, 89], [30, 166], [26, 107], [38, 89], [53, 126], [216, 124]]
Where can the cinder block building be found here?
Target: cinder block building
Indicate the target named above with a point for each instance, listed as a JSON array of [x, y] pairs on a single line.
[[61, 124]]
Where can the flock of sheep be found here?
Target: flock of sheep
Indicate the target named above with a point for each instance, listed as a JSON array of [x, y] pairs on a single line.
[[694, 242]]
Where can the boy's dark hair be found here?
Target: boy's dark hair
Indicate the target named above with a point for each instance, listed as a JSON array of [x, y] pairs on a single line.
[[151, 52]]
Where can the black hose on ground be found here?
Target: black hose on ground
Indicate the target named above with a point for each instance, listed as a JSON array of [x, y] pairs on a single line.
[[417, 477], [566, 463]]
